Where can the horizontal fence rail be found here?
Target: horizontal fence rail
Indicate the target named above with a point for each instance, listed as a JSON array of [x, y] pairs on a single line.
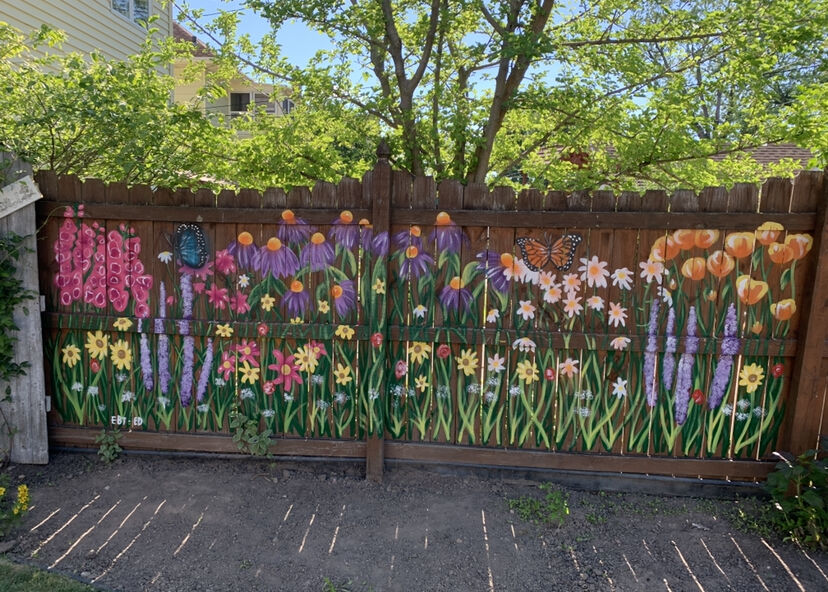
[[393, 317]]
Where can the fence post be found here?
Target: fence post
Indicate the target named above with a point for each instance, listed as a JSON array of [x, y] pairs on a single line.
[[381, 219], [807, 386]]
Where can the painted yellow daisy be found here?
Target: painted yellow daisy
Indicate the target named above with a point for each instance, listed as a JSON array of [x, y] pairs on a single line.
[[305, 359], [224, 330], [121, 355], [97, 344], [421, 382], [122, 323], [71, 355], [296, 321], [527, 370], [343, 374], [344, 332], [379, 286], [751, 377], [418, 351], [249, 374], [267, 302], [323, 306], [467, 361]]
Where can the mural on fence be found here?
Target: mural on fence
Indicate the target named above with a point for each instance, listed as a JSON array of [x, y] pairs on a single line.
[[636, 346]]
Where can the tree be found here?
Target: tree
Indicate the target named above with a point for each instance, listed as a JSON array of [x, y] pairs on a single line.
[[479, 89]]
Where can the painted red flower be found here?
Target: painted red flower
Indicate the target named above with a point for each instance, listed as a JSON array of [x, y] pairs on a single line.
[[443, 351], [269, 387], [262, 329], [549, 373], [698, 397], [94, 365], [376, 339], [778, 371], [400, 369]]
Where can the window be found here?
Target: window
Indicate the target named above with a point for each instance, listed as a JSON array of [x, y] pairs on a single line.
[[134, 10], [239, 101], [287, 106]]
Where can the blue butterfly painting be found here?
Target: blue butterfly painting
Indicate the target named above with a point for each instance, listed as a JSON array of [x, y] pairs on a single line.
[[190, 245]]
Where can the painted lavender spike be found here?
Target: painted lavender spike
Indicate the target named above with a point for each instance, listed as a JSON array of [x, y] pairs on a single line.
[[206, 369], [146, 363], [162, 309], [650, 356], [731, 345], [684, 380], [164, 377], [186, 303], [186, 390], [668, 364]]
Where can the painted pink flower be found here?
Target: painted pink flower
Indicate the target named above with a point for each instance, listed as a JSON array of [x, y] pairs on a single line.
[[269, 387], [261, 328], [248, 352], [202, 272], [318, 348], [227, 366], [217, 296], [225, 262], [286, 369], [400, 369], [238, 303]]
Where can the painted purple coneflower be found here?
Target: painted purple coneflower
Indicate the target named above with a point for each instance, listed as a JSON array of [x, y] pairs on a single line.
[[344, 230], [206, 369], [293, 230], [162, 308], [186, 390], [296, 299], [146, 363], [684, 379], [416, 262], [408, 238], [277, 260], [668, 363], [375, 244], [729, 348], [493, 265], [344, 297], [245, 252], [448, 235], [454, 295], [379, 246], [318, 253], [649, 376]]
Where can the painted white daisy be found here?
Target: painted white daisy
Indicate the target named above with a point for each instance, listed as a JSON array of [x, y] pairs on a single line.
[[526, 310], [244, 281], [524, 344], [420, 311], [652, 270], [619, 387], [595, 302], [492, 315], [623, 278], [497, 364], [165, 256], [620, 343], [594, 272], [617, 315]]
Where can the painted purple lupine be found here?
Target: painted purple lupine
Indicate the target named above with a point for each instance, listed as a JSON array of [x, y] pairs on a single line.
[[296, 299], [668, 363], [293, 230], [731, 345], [491, 264], [186, 390], [650, 356], [684, 378], [344, 231], [162, 308], [186, 304], [206, 369], [344, 297], [415, 263], [318, 253], [277, 260], [453, 296], [146, 363], [164, 377]]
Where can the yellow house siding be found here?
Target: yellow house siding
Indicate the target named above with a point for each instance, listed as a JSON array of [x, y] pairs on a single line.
[[89, 24]]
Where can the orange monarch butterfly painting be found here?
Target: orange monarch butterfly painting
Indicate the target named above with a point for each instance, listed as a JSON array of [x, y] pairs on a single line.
[[539, 254]]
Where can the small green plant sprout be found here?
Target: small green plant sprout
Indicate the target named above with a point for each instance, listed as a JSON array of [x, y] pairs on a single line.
[[552, 509], [12, 508], [108, 449], [248, 436], [799, 492]]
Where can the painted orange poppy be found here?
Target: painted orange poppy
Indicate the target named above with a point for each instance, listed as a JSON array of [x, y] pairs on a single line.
[[750, 291], [800, 244], [784, 309], [779, 253], [768, 232], [664, 249], [706, 238], [720, 263], [740, 244], [685, 238], [693, 268]]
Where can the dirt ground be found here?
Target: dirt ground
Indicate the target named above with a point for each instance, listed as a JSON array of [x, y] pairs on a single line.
[[183, 524]]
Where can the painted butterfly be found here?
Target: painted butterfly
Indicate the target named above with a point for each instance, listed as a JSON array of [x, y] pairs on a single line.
[[539, 254], [190, 245]]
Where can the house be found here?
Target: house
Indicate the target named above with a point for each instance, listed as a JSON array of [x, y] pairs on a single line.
[[114, 28], [243, 94]]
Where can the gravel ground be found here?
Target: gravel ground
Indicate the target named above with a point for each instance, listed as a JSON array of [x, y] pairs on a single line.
[[176, 524]]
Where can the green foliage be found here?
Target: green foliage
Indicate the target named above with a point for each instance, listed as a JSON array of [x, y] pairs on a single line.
[[247, 434], [108, 449], [12, 508], [25, 578], [799, 490], [552, 509]]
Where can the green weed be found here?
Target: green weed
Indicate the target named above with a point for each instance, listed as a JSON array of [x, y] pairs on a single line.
[[552, 509]]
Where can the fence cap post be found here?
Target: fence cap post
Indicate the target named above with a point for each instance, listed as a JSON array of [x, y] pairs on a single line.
[[383, 150]]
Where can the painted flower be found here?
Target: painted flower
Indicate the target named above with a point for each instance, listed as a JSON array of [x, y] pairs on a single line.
[[549, 374], [780, 253], [740, 244], [218, 297], [376, 339], [552, 294], [97, 345], [71, 355], [305, 358], [412, 236], [344, 332], [778, 370], [571, 283], [620, 343], [526, 310], [685, 238], [122, 324], [750, 291], [318, 349], [419, 351], [705, 239], [243, 280], [227, 365], [453, 296], [784, 309], [248, 352], [318, 253], [379, 286], [595, 302], [512, 268], [694, 268], [768, 232], [495, 265], [652, 270], [165, 256], [617, 315], [342, 374], [400, 369], [619, 387], [698, 397], [224, 330], [238, 303], [287, 372], [467, 361], [421, 383], [572, 304], [664, 249], [419, 311], [344, 297], [443, 351], [296, 299], [94, 365], [496, 364], [277, 260], [121, 355], [568, 367], [267, 302], [527, 371], [296, 321], [249, 374], [344, 230], [623, 278], [524, 344], [800, 244], [751, 377], [594, 272], [720, 263], [245, 252], [293, 229], [448, 235], [492, 315], [225, 262]]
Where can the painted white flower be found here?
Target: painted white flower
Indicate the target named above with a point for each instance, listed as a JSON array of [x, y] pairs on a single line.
[[340, 397], [620, 343], [268, 413], [595, 303], [473, 388], [524, 344], [528, 276], [77, 387], [373, 394], [552, 294], [219, 381], [584, 411], [619, 387], [594, 272], [92, 391], [572, 305], [497, 364], [743, 404], [492, 381], [320, 404], [546, 280], [163, 401], [490, 397], [516, 271], [420, 311], [514, 390], [571, 283], [203, 408], [617, 315], [492, 315], [727, 409], [758, 412], [652, 270], [569, 367], [526, 310], [244, 281], [288, 397], [247, 393], [127, 397], [623, 278], [666, 296], [741, 416], [165, 256]]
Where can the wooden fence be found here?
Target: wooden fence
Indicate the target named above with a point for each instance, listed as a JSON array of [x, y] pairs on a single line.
[[397, 318]]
